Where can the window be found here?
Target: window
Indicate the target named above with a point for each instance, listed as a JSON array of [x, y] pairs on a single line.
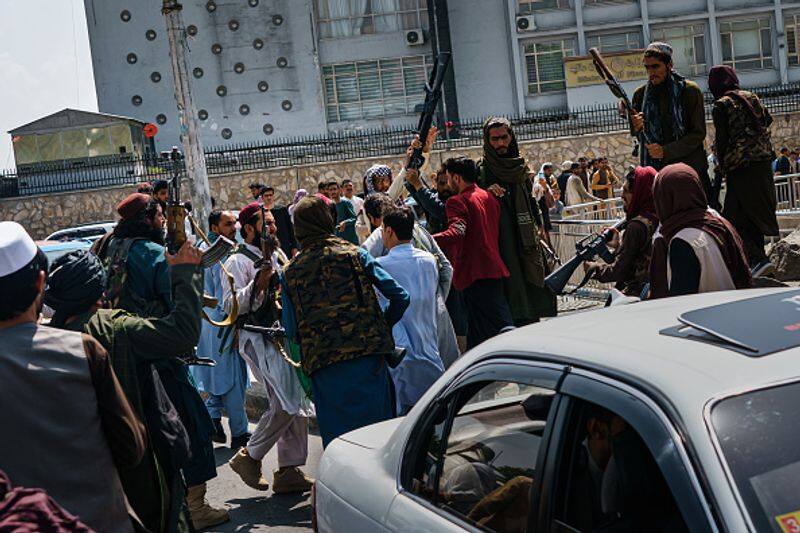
[[480, 459], [747, 44], [349, 18], [615, 42], [526, 7], [544, 62], [377, 88], [607, 477], [688, 47], [792, 27], [757, 432]]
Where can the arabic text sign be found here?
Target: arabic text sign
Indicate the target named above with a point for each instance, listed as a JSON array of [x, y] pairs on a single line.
[[626, 66]]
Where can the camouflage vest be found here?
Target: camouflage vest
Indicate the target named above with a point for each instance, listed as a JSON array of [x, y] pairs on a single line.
[[641, 267], [337, 311], [745, 142]]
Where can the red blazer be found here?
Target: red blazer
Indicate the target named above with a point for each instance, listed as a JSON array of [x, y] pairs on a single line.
[[471, 237]]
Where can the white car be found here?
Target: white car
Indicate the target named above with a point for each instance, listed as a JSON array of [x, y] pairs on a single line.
[[86, 232], [680, 414]]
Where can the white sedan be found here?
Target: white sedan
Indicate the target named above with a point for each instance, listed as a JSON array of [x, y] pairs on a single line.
[[680, 414]]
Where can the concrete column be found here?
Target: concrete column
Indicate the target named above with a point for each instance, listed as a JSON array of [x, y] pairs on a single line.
[[519, 83], [781, 52], [645, 21], [713, 34], [581, 32]]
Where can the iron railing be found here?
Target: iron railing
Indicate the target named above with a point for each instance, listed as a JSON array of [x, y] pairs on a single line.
[[126, 169]]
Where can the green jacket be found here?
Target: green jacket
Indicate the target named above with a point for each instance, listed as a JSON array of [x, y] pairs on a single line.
[[136, 345]]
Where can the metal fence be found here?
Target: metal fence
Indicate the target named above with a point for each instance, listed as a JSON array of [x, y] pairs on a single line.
[[127, 169]]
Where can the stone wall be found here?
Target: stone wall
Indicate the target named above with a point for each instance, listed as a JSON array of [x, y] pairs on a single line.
[[44, 214]]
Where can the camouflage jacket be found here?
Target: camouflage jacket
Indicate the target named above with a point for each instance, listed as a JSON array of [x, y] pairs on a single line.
[[337, 314], [738, 139]]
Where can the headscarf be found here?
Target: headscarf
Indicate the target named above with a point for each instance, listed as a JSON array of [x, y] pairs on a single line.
[[541, 170], [642, 203], [513, 173], [723, 81], [76, 281], [681, 203], [375, 171], [299, 195], [312, 221]]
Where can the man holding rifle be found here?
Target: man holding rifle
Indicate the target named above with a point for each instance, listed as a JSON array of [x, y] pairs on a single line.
[[669, 110]]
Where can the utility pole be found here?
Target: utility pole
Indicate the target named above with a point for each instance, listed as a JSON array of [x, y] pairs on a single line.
[[194, 157]]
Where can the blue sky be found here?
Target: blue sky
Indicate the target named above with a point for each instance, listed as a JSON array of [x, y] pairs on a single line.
[[45, 63]]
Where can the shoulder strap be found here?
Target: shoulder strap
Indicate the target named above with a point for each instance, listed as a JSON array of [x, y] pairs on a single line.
[[245, 251]]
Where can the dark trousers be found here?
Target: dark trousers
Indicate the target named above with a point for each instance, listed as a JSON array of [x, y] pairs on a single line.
[[487, 310], [457, 311]]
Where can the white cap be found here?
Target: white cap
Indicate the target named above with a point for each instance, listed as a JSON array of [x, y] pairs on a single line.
[[17, 249]]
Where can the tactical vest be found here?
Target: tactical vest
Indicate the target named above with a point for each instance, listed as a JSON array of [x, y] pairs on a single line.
[[337, 311], [746, 142], [118, 291]]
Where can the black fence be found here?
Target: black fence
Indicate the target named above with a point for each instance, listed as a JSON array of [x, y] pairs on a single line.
[[126, 169]]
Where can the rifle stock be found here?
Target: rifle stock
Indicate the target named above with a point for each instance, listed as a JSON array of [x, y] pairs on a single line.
[[433, 94], [176, 210]]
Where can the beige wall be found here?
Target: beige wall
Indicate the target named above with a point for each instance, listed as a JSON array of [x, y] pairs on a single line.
[[44, 214]]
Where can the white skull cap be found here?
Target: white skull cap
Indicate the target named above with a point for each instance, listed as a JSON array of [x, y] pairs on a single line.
[[17, 249]]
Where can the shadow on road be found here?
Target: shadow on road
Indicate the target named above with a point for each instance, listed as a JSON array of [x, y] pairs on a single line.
[[223, 454], [288, 510]]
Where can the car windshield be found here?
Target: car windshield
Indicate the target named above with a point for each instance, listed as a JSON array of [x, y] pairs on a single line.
[[757, 432]]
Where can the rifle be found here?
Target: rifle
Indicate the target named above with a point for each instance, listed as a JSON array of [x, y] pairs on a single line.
[[177, 213], [585, 250], [617, 90], [433, 94]]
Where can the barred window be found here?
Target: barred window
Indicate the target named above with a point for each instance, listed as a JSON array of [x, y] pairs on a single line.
[[544, 62], [527, 7], [688, 47], [747, 44], [615, 42], [348, 18], [792, 27], [377, 88]]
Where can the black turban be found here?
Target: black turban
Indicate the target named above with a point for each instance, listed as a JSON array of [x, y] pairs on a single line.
[[76, 281]]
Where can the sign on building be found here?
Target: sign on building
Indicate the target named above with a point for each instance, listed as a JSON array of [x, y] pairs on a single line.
[[626, 66]]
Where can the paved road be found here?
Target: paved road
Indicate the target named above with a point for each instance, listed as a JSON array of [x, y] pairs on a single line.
[[252, 510]]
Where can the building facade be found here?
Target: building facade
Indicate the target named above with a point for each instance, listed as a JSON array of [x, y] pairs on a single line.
[[265, 70]]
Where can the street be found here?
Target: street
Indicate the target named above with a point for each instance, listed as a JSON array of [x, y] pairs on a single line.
[[252, 510]]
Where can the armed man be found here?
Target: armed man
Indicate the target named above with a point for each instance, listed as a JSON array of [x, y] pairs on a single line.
[[505, 173], [255, 266], [670, 112], [139, 283]]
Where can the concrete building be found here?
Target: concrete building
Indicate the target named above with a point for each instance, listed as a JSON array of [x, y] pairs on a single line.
[[270, 69]]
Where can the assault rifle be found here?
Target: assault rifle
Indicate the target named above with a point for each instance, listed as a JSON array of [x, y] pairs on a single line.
[[433, 94], [617, 90], [586, 249], [178, 212]]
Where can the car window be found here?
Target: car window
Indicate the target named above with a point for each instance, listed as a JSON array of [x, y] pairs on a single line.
[[607, 479], [757, 433], [480, 462]]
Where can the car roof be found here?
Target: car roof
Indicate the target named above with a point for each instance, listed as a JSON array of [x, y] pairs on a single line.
[[626, 341]]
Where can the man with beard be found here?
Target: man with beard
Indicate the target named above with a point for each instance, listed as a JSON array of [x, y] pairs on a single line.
[[285, 422], [505, 173], [226, 382], [670, 111], [431, 201], [139, 282]]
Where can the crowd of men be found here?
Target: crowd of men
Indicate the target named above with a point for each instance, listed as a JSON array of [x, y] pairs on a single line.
[[343, 306]]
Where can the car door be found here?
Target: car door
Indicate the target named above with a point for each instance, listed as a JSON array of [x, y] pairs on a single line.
[[472, 460], [615, 462]]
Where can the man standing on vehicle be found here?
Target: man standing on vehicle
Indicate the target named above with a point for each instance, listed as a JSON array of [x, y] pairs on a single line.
[[472, 237], [226, 382], [285, 423], [671, 113]]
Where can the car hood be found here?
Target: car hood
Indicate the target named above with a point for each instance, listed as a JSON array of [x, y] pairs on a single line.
[[374, 436]]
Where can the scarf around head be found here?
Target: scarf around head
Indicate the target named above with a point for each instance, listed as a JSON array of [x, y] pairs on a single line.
[[642, 203], [681, 203], [513, 173], [653, 126], [75, 283], [723, 81], [313, 222]]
